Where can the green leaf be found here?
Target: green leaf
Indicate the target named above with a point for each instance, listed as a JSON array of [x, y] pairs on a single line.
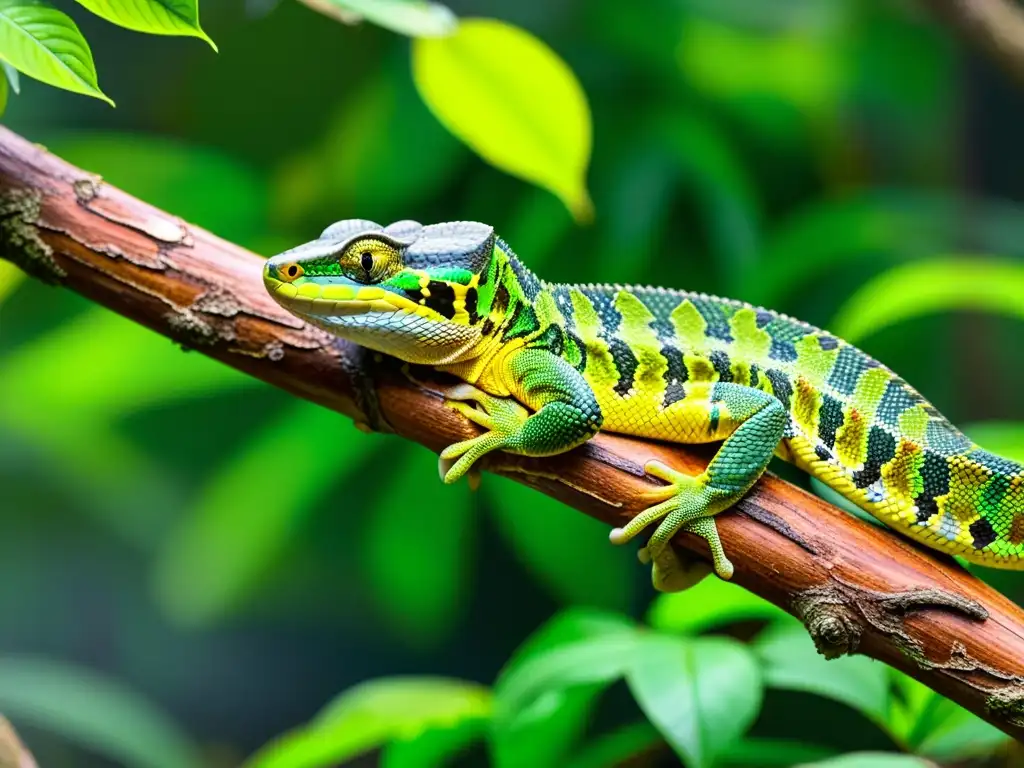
[[791, 662], [45, 43], [415, 18], [1005, 438], [599, 658], [373, 714], [418, 565], [617, 747], [157, 17], [93, 711], [711, 603], [701, 693], [219, 552], [542, 731], [934, 285], [4, 93], [568, 552], [435, 747], [514, 102], [10, 278], [12, 77], [870, 760]]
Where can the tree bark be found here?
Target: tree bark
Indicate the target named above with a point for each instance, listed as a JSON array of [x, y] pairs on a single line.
[[857, 587]]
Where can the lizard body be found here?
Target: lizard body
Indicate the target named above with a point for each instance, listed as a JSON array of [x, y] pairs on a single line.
[[548, 365]]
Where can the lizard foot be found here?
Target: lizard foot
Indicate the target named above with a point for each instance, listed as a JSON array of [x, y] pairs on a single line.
[[686, 503], [675, 571], [503, 419]]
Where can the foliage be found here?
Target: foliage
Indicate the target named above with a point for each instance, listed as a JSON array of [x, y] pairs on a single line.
[[46, 44], [700, 692], [253, 555]]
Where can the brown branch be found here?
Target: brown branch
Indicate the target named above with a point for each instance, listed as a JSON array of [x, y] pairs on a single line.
[[13, 753], [995, 26], [855, 586]]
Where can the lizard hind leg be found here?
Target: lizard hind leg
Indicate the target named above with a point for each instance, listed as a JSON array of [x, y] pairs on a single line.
[[758, 422]]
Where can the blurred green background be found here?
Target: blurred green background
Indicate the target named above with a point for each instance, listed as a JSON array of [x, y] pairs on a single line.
[[193, 563]]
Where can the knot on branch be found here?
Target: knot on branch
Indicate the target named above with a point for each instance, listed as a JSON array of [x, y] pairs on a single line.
[[20, 242], [833, 627], [837, 613]]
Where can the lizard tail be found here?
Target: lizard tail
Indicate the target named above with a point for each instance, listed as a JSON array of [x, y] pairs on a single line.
[[971, 504]]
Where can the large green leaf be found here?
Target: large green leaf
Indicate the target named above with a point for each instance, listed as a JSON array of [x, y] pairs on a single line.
[[568, 552], [93, 711], [45, 43], [418, 548], [602, 657], [513, 101], [540, 730], [709, 604], [933, 285], [791, 662], [157, 17], [701, 693], [435, 747], [415, 18], [218, 553], [371, 715]]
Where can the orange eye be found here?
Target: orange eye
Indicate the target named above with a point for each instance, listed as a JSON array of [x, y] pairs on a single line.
[[289, 272]]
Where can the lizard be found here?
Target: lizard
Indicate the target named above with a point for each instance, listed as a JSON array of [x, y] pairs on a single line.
[[543, 367]]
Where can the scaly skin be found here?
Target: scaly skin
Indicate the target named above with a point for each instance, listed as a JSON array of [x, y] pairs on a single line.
[[548, 365]]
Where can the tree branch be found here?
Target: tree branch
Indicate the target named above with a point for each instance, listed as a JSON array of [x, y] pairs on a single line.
[[995, 26], [857, 587]]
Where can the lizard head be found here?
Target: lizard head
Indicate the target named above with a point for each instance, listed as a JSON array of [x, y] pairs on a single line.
[[418, 293]]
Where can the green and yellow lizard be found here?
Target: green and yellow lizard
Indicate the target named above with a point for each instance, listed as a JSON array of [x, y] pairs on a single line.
[[547, 365]]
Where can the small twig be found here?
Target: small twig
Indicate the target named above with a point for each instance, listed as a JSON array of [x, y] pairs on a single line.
[[857, 587]]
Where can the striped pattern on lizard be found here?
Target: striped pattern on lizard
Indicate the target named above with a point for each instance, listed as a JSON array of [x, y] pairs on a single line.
[[547, 365]]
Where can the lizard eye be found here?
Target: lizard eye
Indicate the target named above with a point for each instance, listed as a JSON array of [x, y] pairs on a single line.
[[289, 272], [370, 261]]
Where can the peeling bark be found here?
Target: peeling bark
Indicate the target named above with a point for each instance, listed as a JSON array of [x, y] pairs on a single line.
[[857, 587]]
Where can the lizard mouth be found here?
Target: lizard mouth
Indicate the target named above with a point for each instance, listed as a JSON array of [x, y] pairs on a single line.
[[324, 300], [339, 300]]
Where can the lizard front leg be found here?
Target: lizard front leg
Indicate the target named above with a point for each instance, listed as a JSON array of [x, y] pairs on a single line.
[[566, 413], [758, 421]]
